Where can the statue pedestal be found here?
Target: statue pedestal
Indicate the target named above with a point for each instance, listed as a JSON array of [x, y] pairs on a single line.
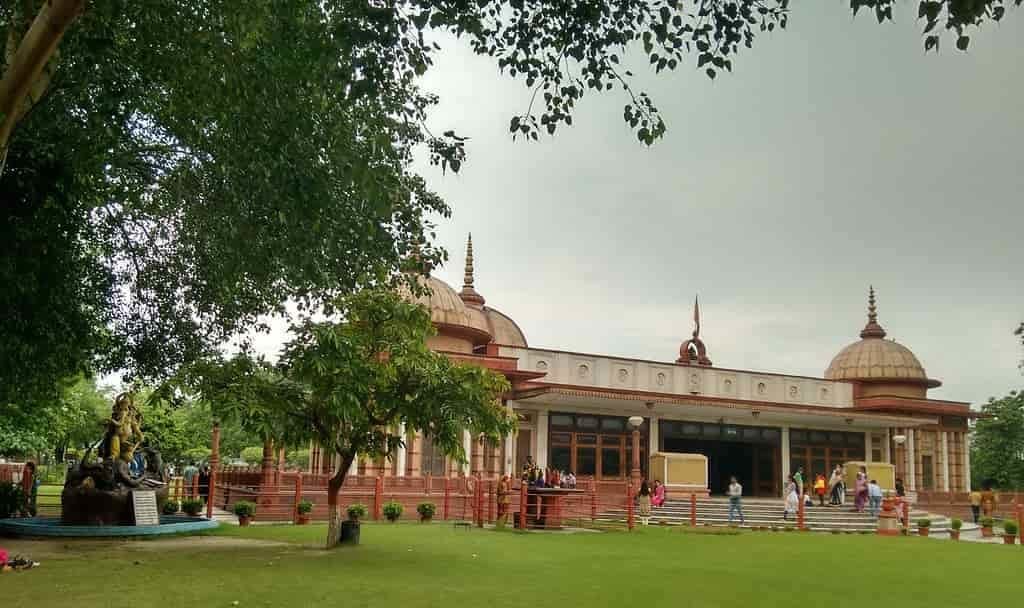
[[546, 508], [888, 522]]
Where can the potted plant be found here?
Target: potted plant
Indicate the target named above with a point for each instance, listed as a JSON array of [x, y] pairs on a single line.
[[245, 511], [1010, 531], [426, 511], [304, 508], [954, 528], [922, 526], [392, 511], [171, 507], [350, 527], [192, 506], [986, 527]]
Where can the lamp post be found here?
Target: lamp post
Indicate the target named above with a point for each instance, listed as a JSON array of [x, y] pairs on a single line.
[[635, 474]]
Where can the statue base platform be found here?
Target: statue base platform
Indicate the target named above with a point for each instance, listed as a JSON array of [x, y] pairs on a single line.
[[46, 527]]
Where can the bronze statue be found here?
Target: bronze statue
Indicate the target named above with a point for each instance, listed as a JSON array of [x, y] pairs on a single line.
[[99, 492]]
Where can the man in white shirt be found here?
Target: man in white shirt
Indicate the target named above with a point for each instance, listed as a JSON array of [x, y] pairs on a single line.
[[735, 495]]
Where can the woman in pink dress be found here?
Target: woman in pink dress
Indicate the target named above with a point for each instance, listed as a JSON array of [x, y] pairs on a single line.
[[658, 498]]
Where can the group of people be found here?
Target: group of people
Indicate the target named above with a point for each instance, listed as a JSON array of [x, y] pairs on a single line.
[[537, 477], [191, 471], [868, 493], [983, 503], [649, 496]]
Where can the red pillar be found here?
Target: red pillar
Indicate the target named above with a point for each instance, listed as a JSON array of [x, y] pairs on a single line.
[[629, 506], [906, 516], [593, 502], [479, 502], [693, 510], [214, 465], [522, 506], [447, 495], [636, 474], [490, 500], [298, 497], [378, 494], [800, 515]]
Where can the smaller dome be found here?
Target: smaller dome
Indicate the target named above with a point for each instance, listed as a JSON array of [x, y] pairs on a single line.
[[448, 312], [504, 330]]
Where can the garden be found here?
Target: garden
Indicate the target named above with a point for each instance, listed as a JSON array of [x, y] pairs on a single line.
[[414, 564]]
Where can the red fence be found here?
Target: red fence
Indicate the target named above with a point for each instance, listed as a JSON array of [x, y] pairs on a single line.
[[958, 504]]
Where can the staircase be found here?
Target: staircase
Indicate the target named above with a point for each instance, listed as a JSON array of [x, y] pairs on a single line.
[[767, 512]]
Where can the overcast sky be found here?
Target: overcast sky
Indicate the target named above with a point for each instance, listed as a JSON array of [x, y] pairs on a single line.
[[835, 156]]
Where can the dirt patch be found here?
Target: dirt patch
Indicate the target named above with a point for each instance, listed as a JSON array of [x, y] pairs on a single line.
[[43, 549]]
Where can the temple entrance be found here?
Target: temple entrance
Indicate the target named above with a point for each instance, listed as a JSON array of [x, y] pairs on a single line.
[[749, 453]]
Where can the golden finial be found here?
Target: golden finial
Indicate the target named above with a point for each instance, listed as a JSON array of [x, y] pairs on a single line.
[[468, 293], [467, 280], [872, 329]]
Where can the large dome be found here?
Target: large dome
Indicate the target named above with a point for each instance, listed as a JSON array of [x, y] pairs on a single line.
[[504, 330], [877, 360]]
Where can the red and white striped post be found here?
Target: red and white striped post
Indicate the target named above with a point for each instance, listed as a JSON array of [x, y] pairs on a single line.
[[693, 510]]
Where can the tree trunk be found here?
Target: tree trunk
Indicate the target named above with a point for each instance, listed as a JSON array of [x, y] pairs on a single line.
[[25, 67], [333, 488]]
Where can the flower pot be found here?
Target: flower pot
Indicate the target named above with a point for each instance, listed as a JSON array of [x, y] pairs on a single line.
[[986, 532], [954, 535], [243, 520], [349, 532], [302, 519], [1009, 539], [922, 531]]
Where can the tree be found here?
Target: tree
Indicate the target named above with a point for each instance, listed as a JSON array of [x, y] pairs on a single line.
[[997, 443], [352, 385], [71, 421], [177, 168]]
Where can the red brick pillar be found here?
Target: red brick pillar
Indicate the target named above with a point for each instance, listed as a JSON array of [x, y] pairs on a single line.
[[447, 495], [267, 485], [214, 465], [298, 497], [800, 515], [522, 505], [378, 496], [693, 510], [629, 505]]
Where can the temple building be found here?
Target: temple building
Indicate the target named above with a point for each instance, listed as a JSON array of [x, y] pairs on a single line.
[[574, 409]]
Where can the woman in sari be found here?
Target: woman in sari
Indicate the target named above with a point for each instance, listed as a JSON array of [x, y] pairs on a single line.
[[861, 487]]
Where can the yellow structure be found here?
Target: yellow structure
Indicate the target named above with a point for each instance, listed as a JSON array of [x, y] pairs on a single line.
[[882, 472], [680, 472]]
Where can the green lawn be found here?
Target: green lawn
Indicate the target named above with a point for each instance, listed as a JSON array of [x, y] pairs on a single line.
[[407, 565]]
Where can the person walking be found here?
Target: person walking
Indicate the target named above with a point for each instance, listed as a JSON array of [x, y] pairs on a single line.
[[504, 487], [875, 497], [861, 489], [834, 483], [644, 502], [792, 501], [798, 479], [975, 499], [735, 500], [820, 488], [189, 474]]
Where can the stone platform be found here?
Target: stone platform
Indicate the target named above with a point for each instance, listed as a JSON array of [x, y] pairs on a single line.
[[38, 527]]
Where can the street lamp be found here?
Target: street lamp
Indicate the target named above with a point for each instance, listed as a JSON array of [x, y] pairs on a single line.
[[635, 422]]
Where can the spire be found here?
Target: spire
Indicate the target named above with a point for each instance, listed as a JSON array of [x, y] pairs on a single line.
[[693, 351], [696, 316], [872, 329], [468, 294]]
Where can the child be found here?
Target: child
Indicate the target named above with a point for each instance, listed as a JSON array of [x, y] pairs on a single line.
[[875, 497]]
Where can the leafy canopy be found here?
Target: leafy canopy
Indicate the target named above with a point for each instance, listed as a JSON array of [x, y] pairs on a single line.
[[351, 385], [181, 167], [997, 443]]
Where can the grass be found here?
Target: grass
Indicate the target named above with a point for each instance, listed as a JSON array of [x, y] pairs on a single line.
[[411, 565]]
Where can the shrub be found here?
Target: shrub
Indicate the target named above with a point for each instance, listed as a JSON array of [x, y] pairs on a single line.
[[1010, 527], [244, 508], [193, 506], [356, 511], [11, 499], [924, 523], [426, 509], [171, 507], [986, 522], [956, 523], [392, 510], [305, 507]]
